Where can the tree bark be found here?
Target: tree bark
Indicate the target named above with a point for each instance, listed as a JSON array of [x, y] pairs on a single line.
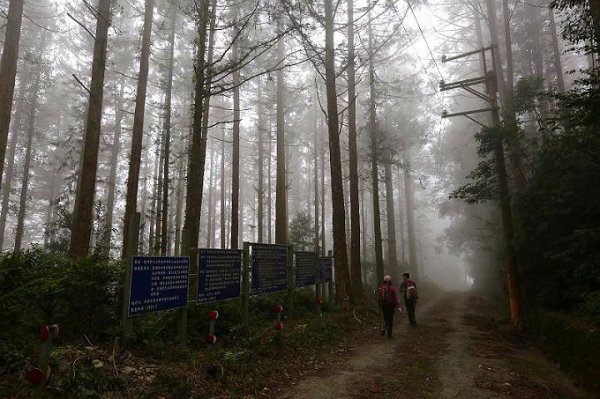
[[560, 81], [323, 194], [33, 103], [164, 236], [410, 213], [595, 10], [49, 234], [506, 92], [84, 201], [8, 72], [260, 190], [223, 235], [342, 275], [355, 258], [205, 115], [138, 131], [270, 188], [153, 233], [10, 159], [211, 213], [197, 151], [235, 162], [281, 233], [392, 256], [112, 178], [179, 202], [316, 172], [374, 161], [401, 219]]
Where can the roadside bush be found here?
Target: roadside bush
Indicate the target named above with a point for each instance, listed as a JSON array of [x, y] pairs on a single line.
[[37, 288], [571, 343]]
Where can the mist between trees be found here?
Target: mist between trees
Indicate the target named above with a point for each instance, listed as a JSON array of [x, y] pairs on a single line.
[[314, 124]]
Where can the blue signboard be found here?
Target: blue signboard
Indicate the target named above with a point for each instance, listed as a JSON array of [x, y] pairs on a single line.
[[219, 274], [158, 283], [306, 268], [269, 268], [326, 270]]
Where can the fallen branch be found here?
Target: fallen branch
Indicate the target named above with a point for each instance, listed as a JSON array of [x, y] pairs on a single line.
[[89, 342]]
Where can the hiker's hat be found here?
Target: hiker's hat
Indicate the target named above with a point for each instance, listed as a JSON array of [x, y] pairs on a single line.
[[387, 279]]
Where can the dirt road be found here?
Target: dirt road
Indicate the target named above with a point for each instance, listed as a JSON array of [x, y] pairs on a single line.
[[456, 351]]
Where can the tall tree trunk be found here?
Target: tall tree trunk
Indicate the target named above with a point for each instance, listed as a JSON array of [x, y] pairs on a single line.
[[342, 275], [153, 233], [363, 214], [316, 171], [161, 154], [374, 161], [560, 81], [112, 178], [260, 190], [505, 89], [10, 159], [84, 201], [33, 102], [223, 234], [211, 216], [323, 194], [270, 188], [410, 212], [401, 219], [518, 180], [197, 151], [144, 204], [8, 72], [595, 11], [49, 234], [164, 236], [179, 204], [281, 233], [392, 262], [355, 265], [205, 116], [138, 131], [235, 162], [241, 216]]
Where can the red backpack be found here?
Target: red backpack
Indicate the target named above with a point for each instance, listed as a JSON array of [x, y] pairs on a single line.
[[385, 295]]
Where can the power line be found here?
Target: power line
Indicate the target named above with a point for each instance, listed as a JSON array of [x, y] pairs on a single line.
[[425, 39]]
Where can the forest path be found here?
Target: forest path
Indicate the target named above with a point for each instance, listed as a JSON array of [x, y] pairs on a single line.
[[456, 351]]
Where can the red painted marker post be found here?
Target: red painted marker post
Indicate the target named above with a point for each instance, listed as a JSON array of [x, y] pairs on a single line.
[[278, 323], [211, 338], [38, 376]]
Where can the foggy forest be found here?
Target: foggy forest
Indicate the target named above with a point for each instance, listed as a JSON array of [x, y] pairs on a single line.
[[165, 160]]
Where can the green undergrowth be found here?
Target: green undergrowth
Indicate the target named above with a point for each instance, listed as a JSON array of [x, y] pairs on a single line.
[[573, 344], [89, 361]]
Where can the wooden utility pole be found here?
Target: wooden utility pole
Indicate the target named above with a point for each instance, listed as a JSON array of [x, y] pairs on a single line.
[[490, 81]]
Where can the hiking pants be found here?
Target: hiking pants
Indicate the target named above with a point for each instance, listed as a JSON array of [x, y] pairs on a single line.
[[388, 319], [410, 310]]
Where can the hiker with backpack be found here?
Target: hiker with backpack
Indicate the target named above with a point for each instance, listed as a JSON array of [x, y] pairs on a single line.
[[409, 293], [388, 302]]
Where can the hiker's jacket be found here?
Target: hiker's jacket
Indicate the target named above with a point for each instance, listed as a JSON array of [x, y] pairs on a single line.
[[394, 293]]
